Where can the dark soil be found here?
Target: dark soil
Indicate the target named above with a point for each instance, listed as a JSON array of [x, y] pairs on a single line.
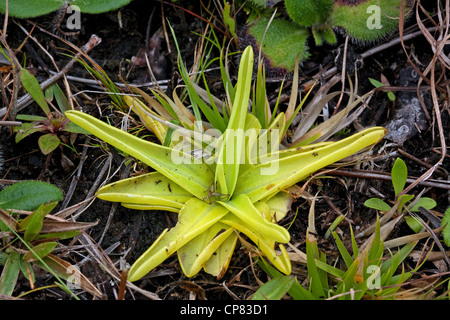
[[129, 232]]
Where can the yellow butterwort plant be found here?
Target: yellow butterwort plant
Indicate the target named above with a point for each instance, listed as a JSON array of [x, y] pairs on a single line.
[[221, 196]]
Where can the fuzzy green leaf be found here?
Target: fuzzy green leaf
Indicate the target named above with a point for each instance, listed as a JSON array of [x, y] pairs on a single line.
[[367, 20], [99, 6], [282, 43], [306, 12], [29, 8]]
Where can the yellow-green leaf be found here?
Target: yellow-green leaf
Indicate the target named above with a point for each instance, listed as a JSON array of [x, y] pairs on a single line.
[[286, 171], [267, 246], [194, 178], [194, 254], [149, 189], [195, 217], [244, 209], [231, 152]]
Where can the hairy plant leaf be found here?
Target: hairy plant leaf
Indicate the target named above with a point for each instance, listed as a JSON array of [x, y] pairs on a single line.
[[282, 43], [99, 6], [29, 9], [28, 195]]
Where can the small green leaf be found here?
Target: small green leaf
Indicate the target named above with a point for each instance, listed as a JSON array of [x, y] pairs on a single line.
[[25, 130], [48, 142], [55, 91], [228, 20], [40, 251], [33, 223], [32, 86], [399, 174], [377, 204], [10, 273], [29, 117], [27, 270], [446, 225], [28, 195], [425, 202], [415, 225], [274, 289], [99, 6]]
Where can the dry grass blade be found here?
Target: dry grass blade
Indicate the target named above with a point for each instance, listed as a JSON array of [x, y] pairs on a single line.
[[432, 233], [437, 47], [313, 109]]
